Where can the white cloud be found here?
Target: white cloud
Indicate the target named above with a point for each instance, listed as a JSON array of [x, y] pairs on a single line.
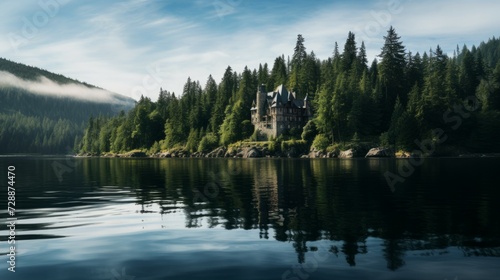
[[48, 87], [115, 46]]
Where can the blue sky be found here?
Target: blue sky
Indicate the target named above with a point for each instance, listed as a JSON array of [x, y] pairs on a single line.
[[134, 47]]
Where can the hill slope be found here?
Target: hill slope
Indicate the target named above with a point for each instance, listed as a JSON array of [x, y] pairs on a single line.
[[43, 112]]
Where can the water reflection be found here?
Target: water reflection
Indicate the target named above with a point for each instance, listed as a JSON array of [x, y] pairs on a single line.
[[346, 202]]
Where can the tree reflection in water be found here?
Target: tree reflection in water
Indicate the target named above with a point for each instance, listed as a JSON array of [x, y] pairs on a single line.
[[344, 201]]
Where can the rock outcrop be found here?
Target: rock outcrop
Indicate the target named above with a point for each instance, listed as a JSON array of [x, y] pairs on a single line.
[[219, 152], [380, 152], [253, 153]]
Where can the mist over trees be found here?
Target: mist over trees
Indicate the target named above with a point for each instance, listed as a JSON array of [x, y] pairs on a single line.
[[47, 123], [394, 100]]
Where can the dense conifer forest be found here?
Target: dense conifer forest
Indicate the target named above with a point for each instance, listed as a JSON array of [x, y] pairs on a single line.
[[396, 100], [34, 123]]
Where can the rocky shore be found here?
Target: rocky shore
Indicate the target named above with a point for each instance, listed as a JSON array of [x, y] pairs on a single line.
[[265, 152], [253, 152]]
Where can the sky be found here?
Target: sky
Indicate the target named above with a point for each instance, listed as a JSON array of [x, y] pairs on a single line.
[[136, 47]]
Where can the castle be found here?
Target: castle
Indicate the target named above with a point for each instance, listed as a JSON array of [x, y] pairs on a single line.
[[276, 112]]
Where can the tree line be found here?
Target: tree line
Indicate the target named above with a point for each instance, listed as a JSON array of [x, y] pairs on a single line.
[[32, 123], [398, 98]]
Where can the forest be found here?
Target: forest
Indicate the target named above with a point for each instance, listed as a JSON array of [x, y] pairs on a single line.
[[33, 123], [397, 100]]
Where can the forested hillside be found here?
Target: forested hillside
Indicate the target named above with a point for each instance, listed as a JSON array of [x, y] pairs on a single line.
[[400, 99], [41, 123]]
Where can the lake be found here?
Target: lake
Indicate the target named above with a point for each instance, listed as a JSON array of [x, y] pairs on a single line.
[[111, 218]]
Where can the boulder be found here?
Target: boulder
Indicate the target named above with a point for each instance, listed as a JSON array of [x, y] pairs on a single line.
[[219, 152], [315, 153], [347, 154], [253, 153], [380, 152], [331, 155], [137, 154]]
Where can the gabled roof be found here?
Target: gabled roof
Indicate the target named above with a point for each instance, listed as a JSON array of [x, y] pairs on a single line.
[[254, 107], [283, 93], [280, 97]]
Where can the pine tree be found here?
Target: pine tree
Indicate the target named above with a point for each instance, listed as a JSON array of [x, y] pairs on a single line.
[[468, 78], [234, 126], [224, 93], [297, 63], [350, 53], [209, 99], [435, 99], [392, 69], [279, 74]]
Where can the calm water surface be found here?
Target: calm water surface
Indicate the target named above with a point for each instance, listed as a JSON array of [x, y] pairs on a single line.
[[141, 219]]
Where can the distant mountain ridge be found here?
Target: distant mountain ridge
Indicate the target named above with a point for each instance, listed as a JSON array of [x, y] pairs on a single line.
[[44, 112]]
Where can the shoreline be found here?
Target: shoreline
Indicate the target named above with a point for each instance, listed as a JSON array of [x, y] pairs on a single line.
[[258, 152]]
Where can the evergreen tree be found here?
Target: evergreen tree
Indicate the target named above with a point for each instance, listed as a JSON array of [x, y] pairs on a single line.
[[350, 53], [279, 74], [233, 127], [468, 77], [224, 93], [297, 63], [391, 70], [209, 100]]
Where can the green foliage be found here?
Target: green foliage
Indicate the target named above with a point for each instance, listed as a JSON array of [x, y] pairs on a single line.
[[384, 139], [155, 148], [224, 93], [321, 142], [391, 74], [208, 143], [279, 73], [484, 137], [300, 146], [397, 100], [273, 146], [42, 124], [488, 91], [236, 125], [246, 129], [309, 132], [355, 138], [193, 140], [255, 136]]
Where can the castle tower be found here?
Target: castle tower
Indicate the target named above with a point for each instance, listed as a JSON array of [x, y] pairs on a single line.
[[261, 100]]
